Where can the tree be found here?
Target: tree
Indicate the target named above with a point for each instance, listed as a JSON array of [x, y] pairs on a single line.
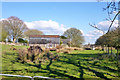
[[113, 35], [63, 37], [20, 40], [75, 35], [100, 41], [32, 32], [110, 39], [3, 33], [15, 27]]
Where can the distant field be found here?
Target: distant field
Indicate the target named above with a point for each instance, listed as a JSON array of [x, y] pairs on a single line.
[[76, 65]]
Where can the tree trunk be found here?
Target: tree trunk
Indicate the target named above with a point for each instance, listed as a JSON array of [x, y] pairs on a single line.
[[117, 50], [108, 49], [111, 50], [14, 40], [102, 47]]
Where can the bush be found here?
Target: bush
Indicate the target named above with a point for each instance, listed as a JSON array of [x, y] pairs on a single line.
[[22, 55], [20, 40], [66, 51], [36, 55], [87, 48], [58, 47]]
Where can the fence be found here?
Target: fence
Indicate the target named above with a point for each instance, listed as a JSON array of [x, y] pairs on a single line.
[[32, 78]]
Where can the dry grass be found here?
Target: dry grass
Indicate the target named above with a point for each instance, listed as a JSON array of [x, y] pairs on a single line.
[[68, 50]]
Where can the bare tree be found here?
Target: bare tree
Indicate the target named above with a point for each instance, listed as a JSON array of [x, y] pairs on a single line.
[[15, 27], [32, 32], [111, 8]]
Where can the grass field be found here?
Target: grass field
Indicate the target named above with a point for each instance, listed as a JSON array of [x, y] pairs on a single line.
[[87, 64]]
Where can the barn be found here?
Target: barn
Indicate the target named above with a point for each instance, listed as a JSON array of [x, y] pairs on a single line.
[[47, 41]]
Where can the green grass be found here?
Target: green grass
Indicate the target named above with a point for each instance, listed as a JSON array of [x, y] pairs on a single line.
[[76, 65]]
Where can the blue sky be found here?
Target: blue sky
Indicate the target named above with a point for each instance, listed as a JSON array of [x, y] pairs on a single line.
[[56, 17]]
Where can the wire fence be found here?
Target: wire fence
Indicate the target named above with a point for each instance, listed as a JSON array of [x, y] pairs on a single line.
[[32, 78]]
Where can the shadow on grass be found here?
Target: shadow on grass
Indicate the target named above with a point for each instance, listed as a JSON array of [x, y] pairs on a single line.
[[103, 67], [60, 73], [34, 65], [37, 71], [81, 70], [57, 72], [48, 66], [85, 55], [98, 74], [13, 71]]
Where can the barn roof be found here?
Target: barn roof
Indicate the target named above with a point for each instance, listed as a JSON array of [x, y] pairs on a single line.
[[45, 36]]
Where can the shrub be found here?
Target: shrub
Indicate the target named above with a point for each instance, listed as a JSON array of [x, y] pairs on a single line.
[[87, 48], [36, 55], [20, 40], [22, 55], [66, 51], [58, 47]]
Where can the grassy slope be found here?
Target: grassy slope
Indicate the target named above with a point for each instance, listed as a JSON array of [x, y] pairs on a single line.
[[78, 64]]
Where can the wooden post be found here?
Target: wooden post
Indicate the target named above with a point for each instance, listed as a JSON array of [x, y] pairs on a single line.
[[111, 50], [108, 49]]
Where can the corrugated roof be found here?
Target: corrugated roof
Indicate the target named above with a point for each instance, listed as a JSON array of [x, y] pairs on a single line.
[[46, 36]]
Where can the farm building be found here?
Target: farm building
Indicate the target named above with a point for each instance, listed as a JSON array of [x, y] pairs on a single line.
[[47, 41]]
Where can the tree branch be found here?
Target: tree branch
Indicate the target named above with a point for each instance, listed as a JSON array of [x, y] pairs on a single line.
[[113, 21]]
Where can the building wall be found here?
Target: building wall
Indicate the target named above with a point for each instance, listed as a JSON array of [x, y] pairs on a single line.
[[44, 40], [45, 45]]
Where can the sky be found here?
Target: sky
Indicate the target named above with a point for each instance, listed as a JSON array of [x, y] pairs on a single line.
[[53, 18]]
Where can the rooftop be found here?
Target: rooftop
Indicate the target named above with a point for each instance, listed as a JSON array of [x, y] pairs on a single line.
[[46, 36]]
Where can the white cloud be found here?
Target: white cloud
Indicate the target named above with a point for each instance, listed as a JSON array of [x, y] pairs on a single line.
[[48, 27], [91, 36], [82, 32], [104, 25], [2, 19]]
